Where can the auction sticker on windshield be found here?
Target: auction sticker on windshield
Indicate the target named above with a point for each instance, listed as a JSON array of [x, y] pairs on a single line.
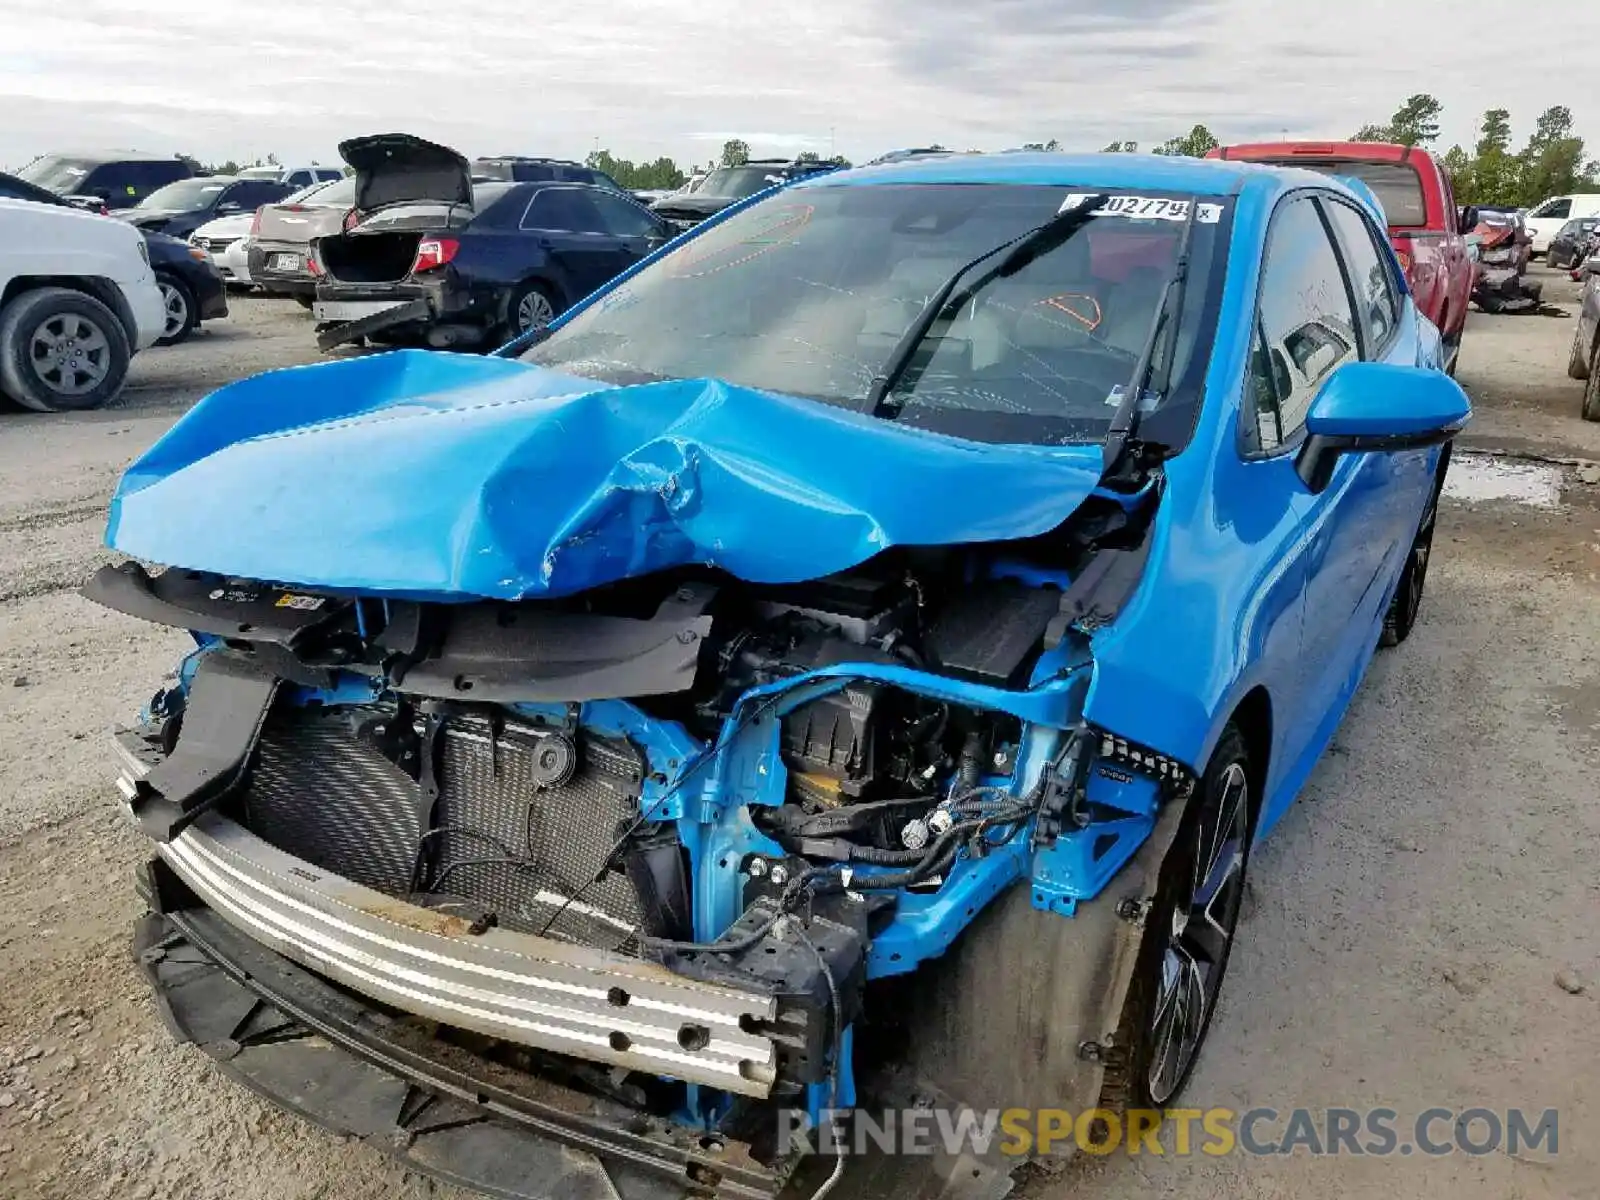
[[1147, 208]]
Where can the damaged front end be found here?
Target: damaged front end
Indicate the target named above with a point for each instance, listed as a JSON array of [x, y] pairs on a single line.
[[604, 883]]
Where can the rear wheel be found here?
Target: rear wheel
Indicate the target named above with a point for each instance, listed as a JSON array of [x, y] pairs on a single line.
[[182, 311], [1407, 603], [1189, 934], [61, 351], [1451, 348], [530, 306]]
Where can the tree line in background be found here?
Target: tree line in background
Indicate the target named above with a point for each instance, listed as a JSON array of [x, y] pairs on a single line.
[[1552, 163], [663, 174]]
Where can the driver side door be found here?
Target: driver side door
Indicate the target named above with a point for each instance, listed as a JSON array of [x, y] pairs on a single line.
[[1308, 324]]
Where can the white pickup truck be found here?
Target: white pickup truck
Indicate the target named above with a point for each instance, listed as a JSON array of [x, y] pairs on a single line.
[[77, 301]]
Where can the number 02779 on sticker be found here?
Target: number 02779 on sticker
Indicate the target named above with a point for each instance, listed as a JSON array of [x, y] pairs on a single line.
[[1147, 208]]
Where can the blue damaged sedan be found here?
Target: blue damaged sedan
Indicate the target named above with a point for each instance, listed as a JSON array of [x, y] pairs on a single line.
[[843, 664]]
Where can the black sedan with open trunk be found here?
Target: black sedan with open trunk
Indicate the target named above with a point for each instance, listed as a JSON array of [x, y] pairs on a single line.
[[428, 256]]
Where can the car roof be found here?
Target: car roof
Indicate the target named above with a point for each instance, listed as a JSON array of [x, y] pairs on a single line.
[[111, 156], [1359, 151], [1205, 177]]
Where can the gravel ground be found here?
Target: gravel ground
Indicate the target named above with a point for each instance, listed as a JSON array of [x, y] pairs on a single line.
[[1410, 916]]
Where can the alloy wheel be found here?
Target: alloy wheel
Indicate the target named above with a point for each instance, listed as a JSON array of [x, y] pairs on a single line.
[[176, 305], [534, 310], [70, 354], [1199, 927]]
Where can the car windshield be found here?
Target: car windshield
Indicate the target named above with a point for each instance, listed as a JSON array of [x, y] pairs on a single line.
[[1397, 185], [56, 174], [185, 196], [736, 183], [808, 293]]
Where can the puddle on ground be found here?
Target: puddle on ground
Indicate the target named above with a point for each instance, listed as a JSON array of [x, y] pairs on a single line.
[[1475, 477]]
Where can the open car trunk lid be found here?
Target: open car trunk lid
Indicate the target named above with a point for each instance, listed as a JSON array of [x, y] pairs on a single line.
[[394, 168]]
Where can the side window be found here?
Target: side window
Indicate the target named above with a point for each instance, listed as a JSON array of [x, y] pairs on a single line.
[[299, 179], [568, 209], [1304, 325], [1554, 208], [128, 182], [1370, 278], [622, 218]]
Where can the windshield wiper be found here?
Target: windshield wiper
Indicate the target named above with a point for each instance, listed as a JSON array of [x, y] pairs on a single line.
[[1023, 249], [1162, 338]]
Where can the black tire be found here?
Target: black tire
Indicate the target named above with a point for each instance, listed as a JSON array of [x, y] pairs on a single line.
[[183, 310], [1591, 390], [530, 295], [1578, 360], [1407, 602], [40, 326], [1188, 938], [1452, 354]]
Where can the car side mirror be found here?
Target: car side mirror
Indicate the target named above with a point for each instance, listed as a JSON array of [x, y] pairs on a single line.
[[1368, 407], [1469, 219]]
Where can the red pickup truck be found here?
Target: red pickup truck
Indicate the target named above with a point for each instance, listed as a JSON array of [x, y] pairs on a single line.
[[1424, 225]]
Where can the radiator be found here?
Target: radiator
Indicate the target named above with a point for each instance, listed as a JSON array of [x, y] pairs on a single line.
[[320, 793]]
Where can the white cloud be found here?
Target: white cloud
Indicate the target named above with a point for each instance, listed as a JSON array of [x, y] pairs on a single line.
[[233, 78]]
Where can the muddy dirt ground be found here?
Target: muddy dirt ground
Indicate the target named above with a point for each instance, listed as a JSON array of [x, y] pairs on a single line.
[[1410, 918]]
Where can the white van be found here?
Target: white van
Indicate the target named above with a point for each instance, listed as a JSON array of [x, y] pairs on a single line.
[[77, 300], [1546, 218]]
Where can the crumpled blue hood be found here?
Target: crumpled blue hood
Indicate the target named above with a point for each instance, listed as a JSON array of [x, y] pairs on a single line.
[[443, 476]]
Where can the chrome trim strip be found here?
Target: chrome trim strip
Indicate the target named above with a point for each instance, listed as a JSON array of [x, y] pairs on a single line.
[[593, 1004]]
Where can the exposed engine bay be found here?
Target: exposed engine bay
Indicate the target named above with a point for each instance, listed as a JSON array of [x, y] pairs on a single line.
[[790, 797]]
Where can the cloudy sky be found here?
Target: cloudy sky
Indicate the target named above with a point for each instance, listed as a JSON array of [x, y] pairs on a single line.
[[239, 78]]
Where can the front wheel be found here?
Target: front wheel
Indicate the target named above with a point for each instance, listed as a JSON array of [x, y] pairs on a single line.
[[182, 311], [1578, 358], [61, 350], [1188, 938]]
